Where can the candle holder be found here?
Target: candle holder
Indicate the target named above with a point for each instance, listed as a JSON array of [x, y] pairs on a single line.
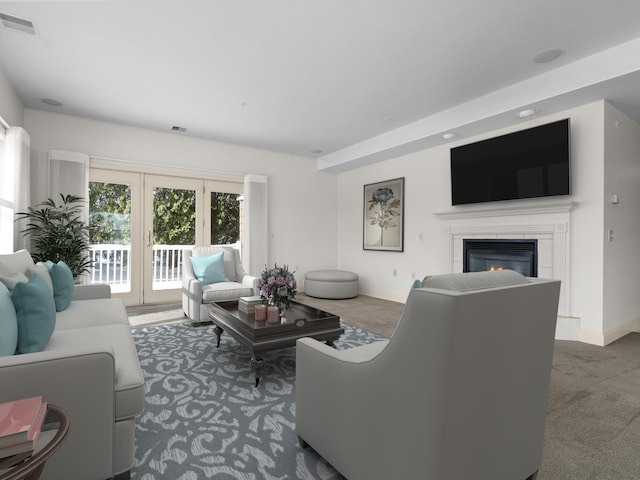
[[273, 314], [261, 312]]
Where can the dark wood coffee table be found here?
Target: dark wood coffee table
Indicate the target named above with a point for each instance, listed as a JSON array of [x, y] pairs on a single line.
[[261, 337]]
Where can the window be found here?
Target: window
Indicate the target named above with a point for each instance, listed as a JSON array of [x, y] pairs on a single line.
[[225, 218]]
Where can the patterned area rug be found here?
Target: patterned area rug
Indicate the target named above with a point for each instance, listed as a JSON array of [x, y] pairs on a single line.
[[204, 418]]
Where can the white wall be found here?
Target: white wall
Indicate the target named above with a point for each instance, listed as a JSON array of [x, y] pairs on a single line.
[[427, 191], [11, 108], [621, 259], [305, 204], [302, 201]]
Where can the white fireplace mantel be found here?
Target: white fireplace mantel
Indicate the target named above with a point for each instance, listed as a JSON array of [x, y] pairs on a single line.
[[548, 222], [460, 213]]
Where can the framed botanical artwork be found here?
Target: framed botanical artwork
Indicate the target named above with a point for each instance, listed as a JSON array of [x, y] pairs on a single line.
[[383, 216]]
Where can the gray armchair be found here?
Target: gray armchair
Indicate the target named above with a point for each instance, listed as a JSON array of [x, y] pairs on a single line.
[[196, 295], [460, 389]]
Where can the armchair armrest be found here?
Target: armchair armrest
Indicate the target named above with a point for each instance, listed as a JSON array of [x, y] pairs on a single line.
[[87, 395], [88, 292], [191, 295], [353, 407], [253, 282], [360, 354]]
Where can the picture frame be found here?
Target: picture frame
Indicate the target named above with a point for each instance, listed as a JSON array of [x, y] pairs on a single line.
[[383, 216]]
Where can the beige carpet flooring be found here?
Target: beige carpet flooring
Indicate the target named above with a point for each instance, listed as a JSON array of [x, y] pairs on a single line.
[[593, 420]]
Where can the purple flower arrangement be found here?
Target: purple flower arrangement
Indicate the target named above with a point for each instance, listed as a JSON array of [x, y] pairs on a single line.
[[278, 286]]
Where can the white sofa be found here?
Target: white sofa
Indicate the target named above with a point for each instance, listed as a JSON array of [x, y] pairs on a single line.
[[459, 391], [196, 295], [90, 368]]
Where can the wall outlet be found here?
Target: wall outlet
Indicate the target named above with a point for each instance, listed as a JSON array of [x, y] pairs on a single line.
[[395, 272]]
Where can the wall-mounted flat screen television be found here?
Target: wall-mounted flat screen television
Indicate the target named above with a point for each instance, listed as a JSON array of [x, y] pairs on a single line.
[[526, 164]]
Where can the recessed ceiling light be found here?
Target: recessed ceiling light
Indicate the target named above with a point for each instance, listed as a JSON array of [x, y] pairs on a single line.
[[527, 113], [546, 56], [449, 135], [51, 101], [316, 151], [17, 23]]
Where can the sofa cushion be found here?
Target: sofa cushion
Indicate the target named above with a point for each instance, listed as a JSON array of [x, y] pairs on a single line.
[[10, 281], [129, 380], [63, 284], [17, 262], [464, 282], [41, 269], [219, 292], [8, 323], [36, 314], [92, 313], [209, 269]]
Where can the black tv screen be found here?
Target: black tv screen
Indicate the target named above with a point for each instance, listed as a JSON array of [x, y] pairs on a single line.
[[526, 164]]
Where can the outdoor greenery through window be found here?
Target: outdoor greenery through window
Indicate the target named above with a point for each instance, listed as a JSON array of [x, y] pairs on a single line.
[[174, 226], [174, 216], [110, 234], [110, 213], [174, 219], [225, 218]]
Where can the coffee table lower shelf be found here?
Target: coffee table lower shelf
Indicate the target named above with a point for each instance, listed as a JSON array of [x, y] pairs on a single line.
[[260, 337]]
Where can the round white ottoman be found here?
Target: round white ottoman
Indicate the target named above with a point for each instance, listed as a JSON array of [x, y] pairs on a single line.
[[331, 284]]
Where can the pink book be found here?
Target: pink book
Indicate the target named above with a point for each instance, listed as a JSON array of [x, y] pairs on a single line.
[[29, 444], [17, 419]]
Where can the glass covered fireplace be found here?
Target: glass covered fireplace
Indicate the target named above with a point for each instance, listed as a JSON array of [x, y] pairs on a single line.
[[521, 255]]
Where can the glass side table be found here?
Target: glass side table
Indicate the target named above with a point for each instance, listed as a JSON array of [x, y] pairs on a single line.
[[29, 466]]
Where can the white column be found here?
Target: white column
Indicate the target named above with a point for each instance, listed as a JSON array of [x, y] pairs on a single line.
[[255, 251]]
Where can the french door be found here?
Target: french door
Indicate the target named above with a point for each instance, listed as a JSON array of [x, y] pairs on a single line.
[[115, 200], [145, 222], [173, 221]]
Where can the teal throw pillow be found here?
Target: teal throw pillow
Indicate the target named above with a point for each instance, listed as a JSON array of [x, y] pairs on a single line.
[[36, 313], [63, 284], [8, 323], [209, 269]]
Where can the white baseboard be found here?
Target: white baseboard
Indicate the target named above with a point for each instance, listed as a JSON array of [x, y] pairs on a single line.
[[602, 339], [385, 296]]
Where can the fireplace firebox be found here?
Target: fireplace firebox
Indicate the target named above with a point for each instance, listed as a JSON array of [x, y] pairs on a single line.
[[521, 255]]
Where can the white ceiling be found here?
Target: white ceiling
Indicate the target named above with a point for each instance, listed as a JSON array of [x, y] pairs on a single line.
[[360, 80]]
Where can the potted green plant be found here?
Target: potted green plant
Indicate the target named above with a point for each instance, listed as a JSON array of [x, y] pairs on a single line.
[[57, 232]]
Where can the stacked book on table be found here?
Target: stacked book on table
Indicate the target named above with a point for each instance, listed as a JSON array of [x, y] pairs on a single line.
[[20, 424], [248, 304]]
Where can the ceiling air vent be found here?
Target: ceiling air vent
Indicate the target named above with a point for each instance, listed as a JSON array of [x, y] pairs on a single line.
[[178, 129], [16, 23]]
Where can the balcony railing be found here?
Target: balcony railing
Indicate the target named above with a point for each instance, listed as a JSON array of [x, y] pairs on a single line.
[[111, 265]]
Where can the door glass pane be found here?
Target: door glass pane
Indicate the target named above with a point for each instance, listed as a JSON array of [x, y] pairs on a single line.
[[225, 218], [110, 235], [174, 229]]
